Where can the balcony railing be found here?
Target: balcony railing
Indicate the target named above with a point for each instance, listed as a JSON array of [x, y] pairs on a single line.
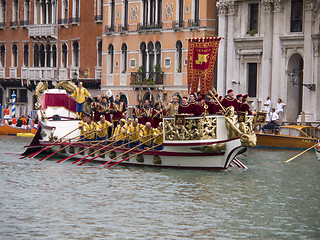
[[177, 24], [149, 26], [98, 71], [2, 25], [13, 72], [74, 20], [24, 23], [146, 78], [122, 28], [43, 30], [109, 29], [24, 72], [63, 21], [98, 18], [194, 23], [63, 74], [14, 24], [36, 73], [2, 72]]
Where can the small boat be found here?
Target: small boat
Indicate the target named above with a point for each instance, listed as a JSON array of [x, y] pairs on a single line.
[[206, 142], [317, 150], [12, 130], [289, 137], [25, 135], [2, 130]]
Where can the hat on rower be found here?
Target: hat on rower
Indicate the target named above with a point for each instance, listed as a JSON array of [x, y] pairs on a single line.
[[101, 116], [229, 91], [129, 119], [200, 99], [136, 119], [239, 95], [160, 124], [122, 120], [185, 97], [245, 96]]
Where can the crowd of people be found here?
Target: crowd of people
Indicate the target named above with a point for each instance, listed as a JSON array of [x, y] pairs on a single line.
[[274, 115], [24, 121]]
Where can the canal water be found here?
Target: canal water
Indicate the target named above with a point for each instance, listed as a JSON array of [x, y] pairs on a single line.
[[270, 200]]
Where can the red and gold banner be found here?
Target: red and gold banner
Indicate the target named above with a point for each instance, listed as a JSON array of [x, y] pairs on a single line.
[[202, 55]]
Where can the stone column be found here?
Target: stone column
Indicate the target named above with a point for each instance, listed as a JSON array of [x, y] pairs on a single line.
[[266, 65], [316, 52], [222, 53], [276, 84], [308, 70], [231, 64]]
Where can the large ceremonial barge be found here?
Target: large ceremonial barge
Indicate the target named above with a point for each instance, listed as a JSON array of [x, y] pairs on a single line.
[[204, 142]]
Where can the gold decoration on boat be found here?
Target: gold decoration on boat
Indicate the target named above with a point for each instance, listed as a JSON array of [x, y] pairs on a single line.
[[140, 158], [243, 130], [69, 86], [217, 148], [156, 159], [112, 154], [194, 129]]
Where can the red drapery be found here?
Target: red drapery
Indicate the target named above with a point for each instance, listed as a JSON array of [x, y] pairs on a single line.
[[202, 55], [58, 100]]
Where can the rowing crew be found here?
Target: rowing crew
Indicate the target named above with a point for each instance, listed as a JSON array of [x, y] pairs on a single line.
[[128, 132]]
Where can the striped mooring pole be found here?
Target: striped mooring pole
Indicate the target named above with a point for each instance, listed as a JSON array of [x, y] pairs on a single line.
[[13, 97]]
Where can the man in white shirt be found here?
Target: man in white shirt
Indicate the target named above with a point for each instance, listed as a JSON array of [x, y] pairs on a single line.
[[274, 118], [267, 105]]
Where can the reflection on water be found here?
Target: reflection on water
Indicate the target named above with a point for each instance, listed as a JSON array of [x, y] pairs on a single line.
[[271, 200]]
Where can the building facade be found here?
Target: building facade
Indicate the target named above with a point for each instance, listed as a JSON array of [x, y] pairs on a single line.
[[48, 40], [145, 47], [271, 48]]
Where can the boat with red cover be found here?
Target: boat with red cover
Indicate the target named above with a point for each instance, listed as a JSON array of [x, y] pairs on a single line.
[[206, 142]]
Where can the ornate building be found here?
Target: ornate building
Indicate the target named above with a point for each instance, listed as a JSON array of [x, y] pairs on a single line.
[[271, 48], [48, 40], [145, 47]]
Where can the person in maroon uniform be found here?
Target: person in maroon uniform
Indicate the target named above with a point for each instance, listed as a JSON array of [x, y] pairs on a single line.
[[118, 110], [105, 109], [202, 106], [239, 99], [136, 112], [96, 107], [213, 106], [193, 102], [157, 115], [146, 113], [186, 108], [244, 107], [230, 101]]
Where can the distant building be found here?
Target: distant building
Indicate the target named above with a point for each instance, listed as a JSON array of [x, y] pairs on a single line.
[[48, 40], [268, 45], [145, 48]]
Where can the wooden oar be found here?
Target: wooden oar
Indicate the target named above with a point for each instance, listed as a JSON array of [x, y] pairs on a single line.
[[103, 152], [103, 148], [65, 146], [289, 160], [129, 150], [134, 155], [36, 153], [66, 158]]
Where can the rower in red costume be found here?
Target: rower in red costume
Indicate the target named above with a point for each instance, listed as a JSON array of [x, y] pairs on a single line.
[[157, 114], [213, 106], [202, 106], [146, 113], [193, 102], [244, 107], [186, 108], [118, 110], [230, 101], [239, 99]]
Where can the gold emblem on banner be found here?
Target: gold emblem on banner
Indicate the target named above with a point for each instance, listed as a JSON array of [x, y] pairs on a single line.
[[260, 118], [179, 119], [241, 117], [202, 58]]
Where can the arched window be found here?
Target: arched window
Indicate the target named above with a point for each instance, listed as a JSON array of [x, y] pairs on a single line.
[[99, 61], [54, 56], [36, 55], [15, 11], [123, 98], [149, 96], [158, 53], [64, 56], [143, 53], [14, 55], [64, 11], [42, 56], [26, 13], [3, 56], [3, 13], [110, 57], [124, 58], [48, 54], [26, 55], [151, 56], [179, 56], [75, 55]]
